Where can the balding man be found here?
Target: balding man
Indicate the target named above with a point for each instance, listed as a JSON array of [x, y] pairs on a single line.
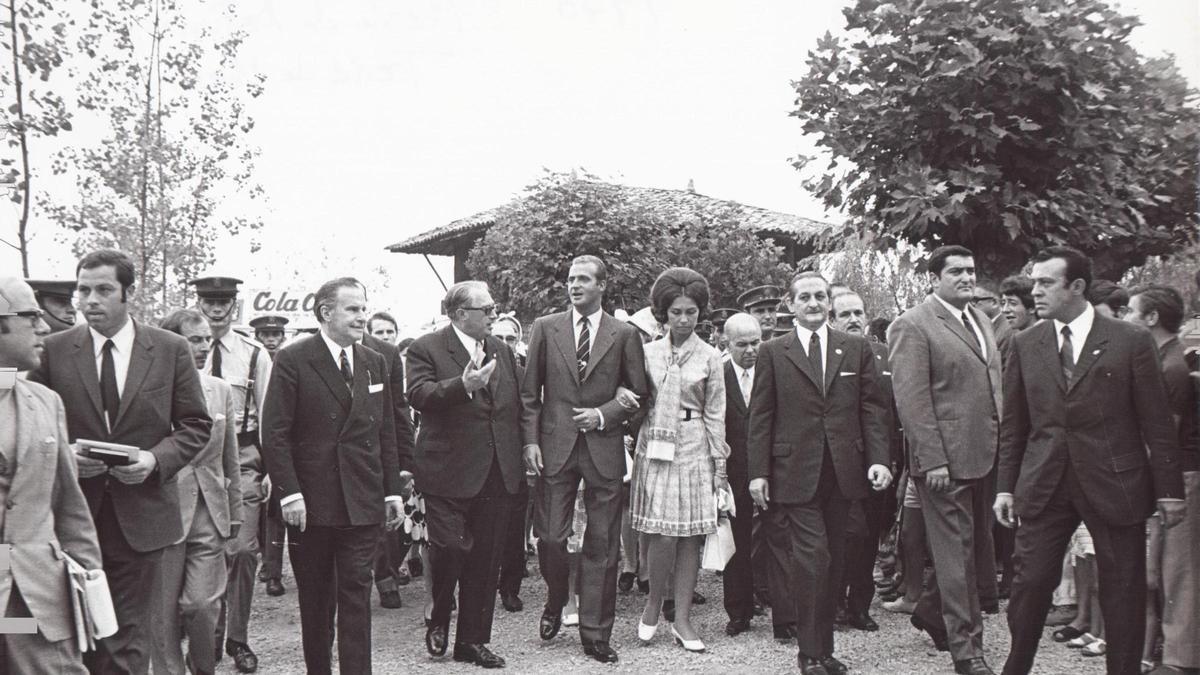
[[743, 334]]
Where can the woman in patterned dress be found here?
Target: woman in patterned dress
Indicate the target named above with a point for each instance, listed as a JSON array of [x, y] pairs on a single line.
[[679, 463]]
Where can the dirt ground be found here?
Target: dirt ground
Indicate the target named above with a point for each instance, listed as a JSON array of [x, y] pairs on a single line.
[[398, 641]]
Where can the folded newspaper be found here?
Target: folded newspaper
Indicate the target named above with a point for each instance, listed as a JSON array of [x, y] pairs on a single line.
[[91, 604]]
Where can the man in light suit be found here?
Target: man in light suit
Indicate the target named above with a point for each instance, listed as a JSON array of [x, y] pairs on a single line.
[[192, 574], [45, 514], [946, 377], [572, 430], [818, 440], [1087, 435], [330, 449], [127, 383], [464, 382]]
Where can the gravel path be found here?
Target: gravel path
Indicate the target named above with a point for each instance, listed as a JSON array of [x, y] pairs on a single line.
[[398, 641]]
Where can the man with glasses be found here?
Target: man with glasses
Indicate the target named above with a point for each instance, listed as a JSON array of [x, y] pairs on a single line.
[[985, 299], [56, 298]]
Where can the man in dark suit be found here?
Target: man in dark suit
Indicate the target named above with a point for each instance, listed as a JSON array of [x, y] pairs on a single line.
[[572, 429], [743, 336], [330, 449], [1084, 401], [848, 314], [127, 383], [464, 382], [390, 552], [946, 377], [818, 440]]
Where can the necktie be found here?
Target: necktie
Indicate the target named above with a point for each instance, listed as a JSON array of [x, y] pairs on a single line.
[[971, 330], [1066, 355], [108, 385], [478, 358], [745, 383], [584, 349], [216, 361], [347, 374], [814, 355]]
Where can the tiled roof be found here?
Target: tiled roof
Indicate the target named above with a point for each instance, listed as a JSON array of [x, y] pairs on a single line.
[[443, 240]]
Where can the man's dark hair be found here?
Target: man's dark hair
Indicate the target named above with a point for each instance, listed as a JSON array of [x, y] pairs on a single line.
[[327, 293], [121, 262], [877, 328], [807, 274], [937, 259], [601, 268], [1079, 266], [176, 320], [382, 316], [1105, 292], [1165, 300], [1020, 287]]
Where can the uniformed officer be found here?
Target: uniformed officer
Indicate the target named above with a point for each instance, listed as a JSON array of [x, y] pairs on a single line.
[[268, 329], [718, 317], [56, 298], [762, 303], [246, 366]]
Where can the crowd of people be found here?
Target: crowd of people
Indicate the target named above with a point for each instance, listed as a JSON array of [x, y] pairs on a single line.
[[1035, 442]]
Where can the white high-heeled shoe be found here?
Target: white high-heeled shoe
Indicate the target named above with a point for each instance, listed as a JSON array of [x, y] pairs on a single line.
[[695, 646], [646, 633]]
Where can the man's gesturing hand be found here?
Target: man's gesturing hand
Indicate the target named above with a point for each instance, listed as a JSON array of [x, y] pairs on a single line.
[[295, 514], [533, 459], [760, 493], [475, 379]]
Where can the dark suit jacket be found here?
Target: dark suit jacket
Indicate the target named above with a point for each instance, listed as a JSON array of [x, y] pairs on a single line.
[[791, 423], [337, 450], [1114, 409], [162, 411], [737, 431], [461, 435], [400, 412], [947, 393], [552, 387], [896, 435]]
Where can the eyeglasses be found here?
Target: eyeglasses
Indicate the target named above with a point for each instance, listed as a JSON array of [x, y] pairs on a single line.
[[985, 298], [486, 309], [30, 313]]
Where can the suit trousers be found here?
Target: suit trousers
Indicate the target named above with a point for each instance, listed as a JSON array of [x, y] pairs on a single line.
[[272, 534], [466, 541], [554, 509], [332, 565], [858, 582], [191, 581], [131, 576], [512, 556], [388, 556], [807, 550], [1181, 583], [1121, 564], [242, 556], [33, 654], [738, 578]]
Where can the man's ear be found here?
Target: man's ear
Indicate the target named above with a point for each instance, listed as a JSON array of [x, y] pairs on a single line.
[[128, 291]]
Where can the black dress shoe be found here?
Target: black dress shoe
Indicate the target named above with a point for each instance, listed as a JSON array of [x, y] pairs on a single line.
[[275, 588], [840, 617], [600, 650], [810, 666], [759, 610], [833, 666], [390, 600], [549, 624], [736, 627], [243, 657], [975, 666], [480, 655], [625, 581], [862, 621], [785, 632], [415, 567], [940, 640], [435, 640], [511, 602]]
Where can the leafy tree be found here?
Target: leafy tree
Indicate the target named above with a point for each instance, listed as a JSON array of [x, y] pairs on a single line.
[[524, 257], [889, 282], [1004, 125]]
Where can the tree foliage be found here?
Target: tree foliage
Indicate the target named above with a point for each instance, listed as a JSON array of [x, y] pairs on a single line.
[[889, 282], [1004, 125], [524, 257]]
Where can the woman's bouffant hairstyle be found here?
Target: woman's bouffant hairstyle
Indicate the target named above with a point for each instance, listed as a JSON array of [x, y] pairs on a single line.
[[676, 282]]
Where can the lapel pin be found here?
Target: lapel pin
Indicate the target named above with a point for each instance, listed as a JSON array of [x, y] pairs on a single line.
[[1095, 352], [837, 351]]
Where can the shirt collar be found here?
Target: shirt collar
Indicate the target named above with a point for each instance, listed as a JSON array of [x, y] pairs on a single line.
[[335, 350], [468, 342], [227, 340], [1080, 325], [593, 318], [805, 335], [122, 340], [953, 310], [738, 370]]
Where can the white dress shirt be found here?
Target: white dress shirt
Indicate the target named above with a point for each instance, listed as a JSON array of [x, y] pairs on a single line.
[[805, 335], [593, 320], [744, 375], [122, 350], [965, 311], [1080, 326]]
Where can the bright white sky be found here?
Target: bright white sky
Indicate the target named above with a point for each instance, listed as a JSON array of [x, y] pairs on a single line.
[[384, 119]]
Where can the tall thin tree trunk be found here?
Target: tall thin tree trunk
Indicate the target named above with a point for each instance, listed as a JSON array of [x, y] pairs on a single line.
[[26, 185], [143, 196]]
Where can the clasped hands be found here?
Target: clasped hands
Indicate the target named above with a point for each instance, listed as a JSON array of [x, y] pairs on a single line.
[[130, 474]]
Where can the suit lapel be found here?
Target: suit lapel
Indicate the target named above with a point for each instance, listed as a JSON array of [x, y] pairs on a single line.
[[955, 325], [564, 337], [456, 349], [834, 354], [732, 385], [798, 356], [1093, 349], [322, 362], [363, 378], [1048, 348], [605, 338], [141, 358], [491, 347], [85, 365]]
